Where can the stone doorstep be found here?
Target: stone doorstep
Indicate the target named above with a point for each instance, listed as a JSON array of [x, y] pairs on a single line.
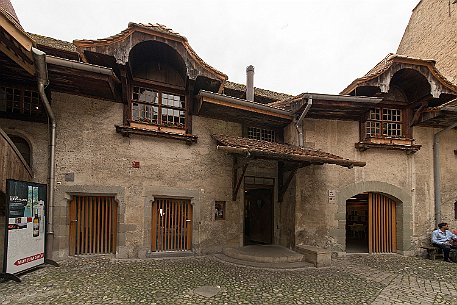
[[319, 257], [264, 254]]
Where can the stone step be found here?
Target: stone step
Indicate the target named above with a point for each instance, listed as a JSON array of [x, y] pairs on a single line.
[[264, 254]]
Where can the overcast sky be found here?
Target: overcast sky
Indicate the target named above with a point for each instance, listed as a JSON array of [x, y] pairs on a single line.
[[296, 46]]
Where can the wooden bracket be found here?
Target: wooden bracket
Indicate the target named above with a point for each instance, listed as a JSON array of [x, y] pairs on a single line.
[[417, 114], [236, 182], [284, 183]]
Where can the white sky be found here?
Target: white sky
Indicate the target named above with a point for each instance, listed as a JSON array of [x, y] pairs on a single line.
[[296, 46]]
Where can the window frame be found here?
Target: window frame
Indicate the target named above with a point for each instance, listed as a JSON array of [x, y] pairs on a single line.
[[29, 104], [161, 89], [405, 132], [278, 132]]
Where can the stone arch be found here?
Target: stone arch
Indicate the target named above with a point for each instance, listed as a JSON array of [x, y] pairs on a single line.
[[23, 145], [399, 195]]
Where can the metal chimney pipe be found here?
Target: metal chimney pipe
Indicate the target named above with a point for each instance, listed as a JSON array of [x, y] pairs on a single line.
[[250, 83]]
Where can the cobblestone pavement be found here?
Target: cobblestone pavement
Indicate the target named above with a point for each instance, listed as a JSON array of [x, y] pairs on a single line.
[[356, 279]]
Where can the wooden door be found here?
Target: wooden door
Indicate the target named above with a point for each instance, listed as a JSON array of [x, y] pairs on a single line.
[[258, 216], [93, 225], [171, 225], [382, 229]]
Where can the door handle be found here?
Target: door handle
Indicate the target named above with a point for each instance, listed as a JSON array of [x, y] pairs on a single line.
[[75, 220]]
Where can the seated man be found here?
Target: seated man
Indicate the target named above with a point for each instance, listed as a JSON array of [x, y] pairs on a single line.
[[443, 238]]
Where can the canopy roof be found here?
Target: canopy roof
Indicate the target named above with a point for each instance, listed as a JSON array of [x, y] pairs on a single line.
[[275, 151]]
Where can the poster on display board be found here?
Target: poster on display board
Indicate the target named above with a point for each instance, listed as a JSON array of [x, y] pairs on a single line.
[[25, 232]]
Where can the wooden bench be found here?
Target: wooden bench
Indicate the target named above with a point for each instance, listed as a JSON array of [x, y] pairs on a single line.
[[319, 257], [433, 252]]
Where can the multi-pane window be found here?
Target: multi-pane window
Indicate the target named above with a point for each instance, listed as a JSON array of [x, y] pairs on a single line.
[[261, 134], [158, 108], [384, 122], [20, 101]]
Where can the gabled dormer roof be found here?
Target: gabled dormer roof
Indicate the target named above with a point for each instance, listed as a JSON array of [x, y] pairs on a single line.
[[381, 74], [121, 44]]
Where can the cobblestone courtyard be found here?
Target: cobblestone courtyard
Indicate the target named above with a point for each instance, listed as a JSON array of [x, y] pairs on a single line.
[[380, 279]]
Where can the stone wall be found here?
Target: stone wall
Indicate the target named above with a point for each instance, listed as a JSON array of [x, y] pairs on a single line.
[[101, 160], [431, 34], [408, 178]]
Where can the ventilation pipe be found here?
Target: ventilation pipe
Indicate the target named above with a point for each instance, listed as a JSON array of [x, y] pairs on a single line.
[[250, 83], [437, 171], [299, 124], [42, 77]]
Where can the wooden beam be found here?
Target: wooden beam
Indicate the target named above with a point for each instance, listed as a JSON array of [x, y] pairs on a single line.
[[236, 182], [285, 182], [418, 113]]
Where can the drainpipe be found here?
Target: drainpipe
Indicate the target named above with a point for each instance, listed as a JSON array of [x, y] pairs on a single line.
[[42, 75], [298, 125], [437, 171]]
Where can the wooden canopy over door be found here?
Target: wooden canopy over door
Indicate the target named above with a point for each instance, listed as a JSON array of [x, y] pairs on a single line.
[[382, 229]]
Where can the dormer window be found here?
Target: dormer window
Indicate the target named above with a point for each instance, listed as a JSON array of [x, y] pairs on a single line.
[[159, 108]]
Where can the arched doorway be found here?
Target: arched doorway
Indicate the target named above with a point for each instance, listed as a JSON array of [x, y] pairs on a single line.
[[371, 224]]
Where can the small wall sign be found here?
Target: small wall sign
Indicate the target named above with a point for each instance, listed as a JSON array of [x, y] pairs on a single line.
[[331, 196]]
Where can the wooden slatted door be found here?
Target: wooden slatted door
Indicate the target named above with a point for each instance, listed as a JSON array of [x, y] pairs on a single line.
[[382, 229], [171, 225], [93, 225]]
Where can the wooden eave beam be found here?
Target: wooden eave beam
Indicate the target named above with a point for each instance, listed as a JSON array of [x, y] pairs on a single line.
[[221, 102], [22, 44]]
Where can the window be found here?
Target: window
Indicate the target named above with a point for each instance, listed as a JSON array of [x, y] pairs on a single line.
[[384, 122], [155, 107], [261, 134], [20, 101]]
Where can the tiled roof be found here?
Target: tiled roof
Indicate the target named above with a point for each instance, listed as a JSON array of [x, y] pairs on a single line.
[[258, 91], [388, 61], [53, 43], [278, 151], [8, 9]]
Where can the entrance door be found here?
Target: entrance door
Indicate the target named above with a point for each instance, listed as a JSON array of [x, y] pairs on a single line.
[[382, 234], [258, 216], [171, 225], [93, 225]]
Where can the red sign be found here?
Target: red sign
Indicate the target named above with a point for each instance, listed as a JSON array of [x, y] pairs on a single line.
[[29, 259]]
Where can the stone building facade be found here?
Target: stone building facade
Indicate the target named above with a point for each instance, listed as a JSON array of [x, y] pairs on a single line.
[[431, 34], [157, 152]]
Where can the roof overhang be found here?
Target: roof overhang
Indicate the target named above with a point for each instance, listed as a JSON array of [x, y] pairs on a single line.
[[328, 106], [228, 108], [15, 43], [439, 117], [82, 79], [280, 152]]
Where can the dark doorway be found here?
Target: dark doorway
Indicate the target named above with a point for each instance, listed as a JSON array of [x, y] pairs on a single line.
[[258, 216], [357, 224], [371, 224]]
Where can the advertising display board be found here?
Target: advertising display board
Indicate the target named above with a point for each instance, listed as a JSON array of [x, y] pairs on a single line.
[[25, 237]]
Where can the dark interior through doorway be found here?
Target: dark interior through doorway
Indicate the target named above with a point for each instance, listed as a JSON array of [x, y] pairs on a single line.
[[258, 216], [357, 224]]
